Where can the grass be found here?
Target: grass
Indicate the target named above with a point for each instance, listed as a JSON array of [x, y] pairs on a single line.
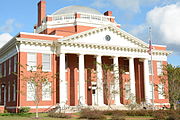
[[44, 116], [27, 116]]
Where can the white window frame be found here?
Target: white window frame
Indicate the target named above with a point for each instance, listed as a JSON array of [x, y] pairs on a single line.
[[9, 92], [46, 91], [161, 92], [30, 91], [0, 93], [150, 67], [9, 66], [14, 91], [127, 91], [4, 69], [150, 91], [159, 67], [15, 64], [45, 62], [32, 63], [0, 70]]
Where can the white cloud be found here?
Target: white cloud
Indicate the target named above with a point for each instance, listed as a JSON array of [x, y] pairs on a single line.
[[129, 5], [4, 38], [8, 27], [165, 21]]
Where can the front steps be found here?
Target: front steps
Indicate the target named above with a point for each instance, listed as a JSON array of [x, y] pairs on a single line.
[[74, 109]]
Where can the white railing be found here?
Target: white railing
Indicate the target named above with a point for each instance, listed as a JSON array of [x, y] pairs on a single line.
[[82, 16], [63, 17]]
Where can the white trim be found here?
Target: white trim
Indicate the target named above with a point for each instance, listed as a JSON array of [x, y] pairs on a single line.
[[161, 103], [154, 45], [45, 35]]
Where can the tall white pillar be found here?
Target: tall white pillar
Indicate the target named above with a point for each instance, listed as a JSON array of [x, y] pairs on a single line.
[[132, 79], [116, 81], [100, 97], [62, 81], [146, 81], [81, 80]]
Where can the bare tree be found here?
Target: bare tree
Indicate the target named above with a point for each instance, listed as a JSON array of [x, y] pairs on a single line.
[[35, 81], [110, 77]]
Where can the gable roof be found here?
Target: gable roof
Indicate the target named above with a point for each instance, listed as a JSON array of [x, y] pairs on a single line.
[[112, 28]]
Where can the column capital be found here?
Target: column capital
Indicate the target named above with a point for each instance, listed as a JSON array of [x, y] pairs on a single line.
[[80, 54], [130, 57], [115, 56], [98, 55]]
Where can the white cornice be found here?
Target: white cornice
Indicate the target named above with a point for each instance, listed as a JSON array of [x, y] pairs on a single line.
[[35, 41], [112, 47]]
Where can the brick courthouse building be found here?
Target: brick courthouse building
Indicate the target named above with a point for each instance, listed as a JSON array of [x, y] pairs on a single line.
[[69, 42]]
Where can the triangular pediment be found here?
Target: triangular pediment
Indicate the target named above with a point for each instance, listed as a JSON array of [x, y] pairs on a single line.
[[107, 35]]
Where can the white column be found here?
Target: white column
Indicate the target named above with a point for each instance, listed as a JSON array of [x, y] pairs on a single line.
[[81, 80], [132, 79], [116, 81], [100, 97], [146, 81], [62, 81]]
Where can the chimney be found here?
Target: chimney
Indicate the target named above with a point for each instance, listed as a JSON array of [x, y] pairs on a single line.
[[108, 13], [41, 11]]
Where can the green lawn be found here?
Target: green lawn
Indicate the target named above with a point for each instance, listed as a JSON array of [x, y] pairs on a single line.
[[44, 116]]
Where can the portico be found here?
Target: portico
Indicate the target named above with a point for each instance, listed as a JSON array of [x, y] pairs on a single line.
[[86, 88]]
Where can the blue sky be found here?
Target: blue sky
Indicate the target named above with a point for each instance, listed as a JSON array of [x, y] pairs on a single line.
[[135, 16]]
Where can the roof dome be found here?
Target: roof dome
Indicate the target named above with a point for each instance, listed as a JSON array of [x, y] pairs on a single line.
[[76, 8]]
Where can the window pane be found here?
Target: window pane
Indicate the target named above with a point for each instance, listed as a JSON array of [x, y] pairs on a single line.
[[161, 91], [150, 67], [4, 68], [31, 61], [0, 70], [46, 62], [9, 66], [159, 68], [15, 62], [46, 91], [30, 91]]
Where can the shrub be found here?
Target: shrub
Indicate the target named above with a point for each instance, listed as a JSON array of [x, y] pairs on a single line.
[[117, 117], [24, 109], [159, 115], [92, 114], [58, 115]]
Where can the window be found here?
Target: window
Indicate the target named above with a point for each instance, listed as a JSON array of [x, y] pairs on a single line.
[[150, 67], [159, 67], [150, 92], [4, 69], [31, 61], [0, 70], [9, 66], [9, 91], [30, 91], [46, 62], [161, 91], [127, 91], [14, 91], [46, 91], [15, 64], [0, 92]]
